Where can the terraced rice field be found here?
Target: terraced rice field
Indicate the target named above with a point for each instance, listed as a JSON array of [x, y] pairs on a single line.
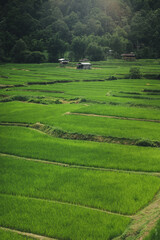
[[79, 152]]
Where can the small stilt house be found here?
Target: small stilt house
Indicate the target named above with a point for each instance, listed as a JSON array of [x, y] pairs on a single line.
[[129, 57], [63, 61], [84, 65]]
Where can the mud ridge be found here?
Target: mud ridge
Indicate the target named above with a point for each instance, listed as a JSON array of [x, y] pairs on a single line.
[[50, 82], [46, 83], [83, 167], [70, 204], [136, 97], [58, 133], [151, 90], [11, 86], [38, 90], [115, 117]]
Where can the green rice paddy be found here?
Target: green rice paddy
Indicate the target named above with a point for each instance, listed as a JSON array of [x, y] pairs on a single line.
[[120, 111], [55, 116], [34, 144], [4, 234], [58, 220], [115, 192], [77, 189]]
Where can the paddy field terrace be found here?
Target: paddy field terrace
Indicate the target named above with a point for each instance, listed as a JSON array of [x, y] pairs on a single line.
[[80, 151]]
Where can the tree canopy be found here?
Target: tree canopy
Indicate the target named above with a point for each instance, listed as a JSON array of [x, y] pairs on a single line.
[[78, 28]]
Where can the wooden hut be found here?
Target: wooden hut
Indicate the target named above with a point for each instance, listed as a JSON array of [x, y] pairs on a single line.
[[84, 65], [129, 57], [63, 61]]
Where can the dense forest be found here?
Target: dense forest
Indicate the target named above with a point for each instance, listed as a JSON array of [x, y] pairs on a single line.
[[44, 30]]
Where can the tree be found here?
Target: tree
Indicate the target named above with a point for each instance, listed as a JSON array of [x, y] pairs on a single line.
[[2, 55], [94, 27], [118, 44], [95, 52], [79, 29], [35, 57], [71, 20], [107, 24], [78, 46], [60, 27], [18, 51], [127, 25], [56, 48]]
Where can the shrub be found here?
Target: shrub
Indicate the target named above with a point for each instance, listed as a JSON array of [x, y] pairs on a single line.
[[35, 100], [19, 98], [135, 73], [112, 78], [145, 143], [58, 102], [113, 103], [83, 100]]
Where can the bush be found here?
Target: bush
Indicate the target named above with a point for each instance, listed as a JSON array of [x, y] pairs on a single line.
[[58, 102], [112, 78], [83, 100], [19, 98], [135, 73], [34, 100], [145, 143]]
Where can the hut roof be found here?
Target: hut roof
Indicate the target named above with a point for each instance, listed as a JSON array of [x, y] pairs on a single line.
[[85, 63], [128, 55]]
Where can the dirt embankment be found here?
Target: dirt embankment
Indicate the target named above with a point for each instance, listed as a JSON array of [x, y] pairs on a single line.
[[143, 221]]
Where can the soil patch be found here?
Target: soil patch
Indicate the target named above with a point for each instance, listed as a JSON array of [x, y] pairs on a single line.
[[143, 222]]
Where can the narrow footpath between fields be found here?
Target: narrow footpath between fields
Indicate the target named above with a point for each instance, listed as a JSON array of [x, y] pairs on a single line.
[[70, 204], [115, 117], [157, 174], [31, 235], [143, 222]]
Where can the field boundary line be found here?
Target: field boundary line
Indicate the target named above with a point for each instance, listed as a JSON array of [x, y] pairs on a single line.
[[70, 204], [157, 174], [114, 117], [32, 235]]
